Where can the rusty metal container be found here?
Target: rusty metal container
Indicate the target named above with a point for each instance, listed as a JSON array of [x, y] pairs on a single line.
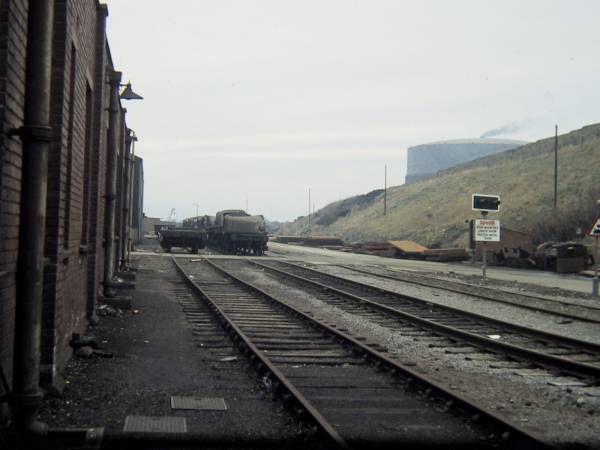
[[570, 258]]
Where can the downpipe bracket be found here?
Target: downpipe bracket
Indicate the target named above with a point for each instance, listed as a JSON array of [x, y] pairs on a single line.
[[32, 133], [24, 402]]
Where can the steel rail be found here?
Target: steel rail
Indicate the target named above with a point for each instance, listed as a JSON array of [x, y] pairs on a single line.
[[520, 294], [319, 420], [532, 439], [590, 346], [458, 289], [574, 367]]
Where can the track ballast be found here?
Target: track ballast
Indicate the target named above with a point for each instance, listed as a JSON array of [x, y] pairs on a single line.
[[452, 327], [353, 395]]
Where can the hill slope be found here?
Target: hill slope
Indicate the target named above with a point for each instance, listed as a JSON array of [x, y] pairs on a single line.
[[433, 212]]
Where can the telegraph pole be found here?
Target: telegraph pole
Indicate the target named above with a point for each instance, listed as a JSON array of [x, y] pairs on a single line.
[[385, 191], [309, 211], [555, 168]]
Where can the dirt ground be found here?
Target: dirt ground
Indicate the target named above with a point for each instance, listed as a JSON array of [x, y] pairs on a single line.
[[155, 355]]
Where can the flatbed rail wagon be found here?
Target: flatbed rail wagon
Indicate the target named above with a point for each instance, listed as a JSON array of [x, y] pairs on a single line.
[[190, 238]]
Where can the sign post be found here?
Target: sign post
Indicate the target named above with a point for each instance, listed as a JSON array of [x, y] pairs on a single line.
[[484, 265], [595, 283], [486, 230], [595, 232]]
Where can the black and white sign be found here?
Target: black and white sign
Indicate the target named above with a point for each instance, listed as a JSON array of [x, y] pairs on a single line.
[[487, 230], [595, 228], [481, 202]]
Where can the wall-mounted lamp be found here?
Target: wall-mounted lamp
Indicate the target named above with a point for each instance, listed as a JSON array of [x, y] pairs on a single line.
[[128, 93], [132, 134]]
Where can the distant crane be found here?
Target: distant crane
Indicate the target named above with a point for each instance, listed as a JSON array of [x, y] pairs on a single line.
[[172, 216]]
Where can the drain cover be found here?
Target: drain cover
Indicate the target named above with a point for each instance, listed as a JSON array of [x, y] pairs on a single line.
[[201, 403], [145, 424]]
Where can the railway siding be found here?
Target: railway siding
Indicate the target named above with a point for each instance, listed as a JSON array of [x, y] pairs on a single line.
[[575, 310], [341, 363], [523, 396], [541, 320], [579, 358]]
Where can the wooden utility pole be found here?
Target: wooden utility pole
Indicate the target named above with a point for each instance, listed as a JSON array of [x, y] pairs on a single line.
[[555, 169], [385, 191], [309, 211]]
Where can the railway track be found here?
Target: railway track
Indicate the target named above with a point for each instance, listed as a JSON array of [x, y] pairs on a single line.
[[478, 336], [352, 395], [586, 313]]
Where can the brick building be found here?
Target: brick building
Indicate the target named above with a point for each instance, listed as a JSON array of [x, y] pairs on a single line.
[[79, 159], [13, 38]]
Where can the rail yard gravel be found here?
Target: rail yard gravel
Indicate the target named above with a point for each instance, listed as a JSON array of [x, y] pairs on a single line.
[[539, 320], [565, 414], [552, 293]]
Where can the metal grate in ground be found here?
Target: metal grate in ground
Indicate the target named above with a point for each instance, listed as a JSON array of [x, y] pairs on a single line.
[[147, 424], [199, 403]]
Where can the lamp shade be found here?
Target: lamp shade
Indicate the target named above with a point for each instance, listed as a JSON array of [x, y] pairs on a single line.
[[128, 93]]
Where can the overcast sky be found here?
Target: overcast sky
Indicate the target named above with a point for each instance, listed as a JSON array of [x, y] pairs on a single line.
[[261, 100]]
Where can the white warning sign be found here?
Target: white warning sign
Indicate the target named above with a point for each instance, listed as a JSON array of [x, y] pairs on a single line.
[[595, 228], [487, 230]]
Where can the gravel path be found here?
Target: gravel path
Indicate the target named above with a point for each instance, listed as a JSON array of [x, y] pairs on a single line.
[[155, 357]]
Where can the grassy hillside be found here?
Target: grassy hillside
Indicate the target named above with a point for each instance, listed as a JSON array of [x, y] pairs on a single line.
[[433, 211]]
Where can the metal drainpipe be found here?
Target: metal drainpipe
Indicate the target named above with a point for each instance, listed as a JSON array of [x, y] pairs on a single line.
[[125, 196], [36, 135], [114, 80], [132, 178]]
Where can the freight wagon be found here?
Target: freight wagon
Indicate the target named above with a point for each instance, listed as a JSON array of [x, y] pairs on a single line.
[[190, 238]]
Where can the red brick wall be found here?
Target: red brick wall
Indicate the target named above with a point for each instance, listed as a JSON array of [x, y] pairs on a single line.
[[98, 162], [77, 165], [13, 32], [66, 284]]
